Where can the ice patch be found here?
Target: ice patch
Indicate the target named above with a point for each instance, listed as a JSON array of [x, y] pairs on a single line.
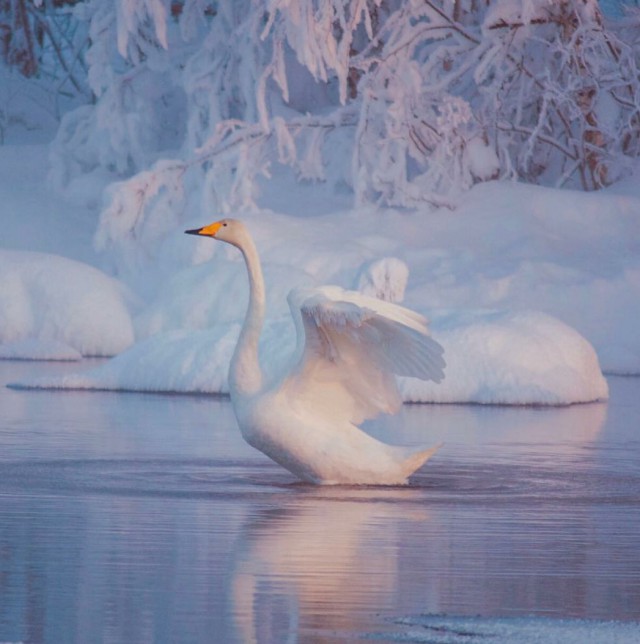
[[441, 629]]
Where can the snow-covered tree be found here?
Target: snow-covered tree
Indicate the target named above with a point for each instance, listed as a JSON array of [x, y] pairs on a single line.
[[408, 102], [42, 68]]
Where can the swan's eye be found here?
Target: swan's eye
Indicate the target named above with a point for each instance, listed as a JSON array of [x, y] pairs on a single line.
[[224, 224]]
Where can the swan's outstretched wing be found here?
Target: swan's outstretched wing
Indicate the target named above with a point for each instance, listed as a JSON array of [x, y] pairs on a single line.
[[350, 347]]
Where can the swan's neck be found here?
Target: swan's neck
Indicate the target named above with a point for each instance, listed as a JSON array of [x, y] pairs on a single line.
[[245, 375]]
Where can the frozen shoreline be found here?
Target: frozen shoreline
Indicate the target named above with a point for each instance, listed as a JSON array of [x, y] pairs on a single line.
[[522, 284]]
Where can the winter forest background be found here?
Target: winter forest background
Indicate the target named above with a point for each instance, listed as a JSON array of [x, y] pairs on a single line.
[[166, 110], [422, 98]]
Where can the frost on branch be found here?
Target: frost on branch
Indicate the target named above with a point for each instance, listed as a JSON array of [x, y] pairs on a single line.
[[576, 118], [426, 98], [140, 212], [42, 69], [139, 110]]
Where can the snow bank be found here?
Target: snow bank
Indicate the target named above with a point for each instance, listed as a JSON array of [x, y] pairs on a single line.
[[492, 357], [34, 349], [515, 358], [176, 361], [572, 255], [508, 248], [442, 629], [57, 300], [512, 247]]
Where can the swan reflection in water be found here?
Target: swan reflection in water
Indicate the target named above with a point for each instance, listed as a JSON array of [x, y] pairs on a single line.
[[330, 561], [317, 566]]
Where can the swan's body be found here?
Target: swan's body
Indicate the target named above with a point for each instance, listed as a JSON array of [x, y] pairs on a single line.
[[349, 349]]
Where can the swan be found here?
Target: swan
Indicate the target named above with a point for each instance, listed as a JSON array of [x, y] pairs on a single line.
[[349, 349]]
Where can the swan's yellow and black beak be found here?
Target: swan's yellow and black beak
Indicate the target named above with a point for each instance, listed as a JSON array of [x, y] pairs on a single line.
[[206, 231]]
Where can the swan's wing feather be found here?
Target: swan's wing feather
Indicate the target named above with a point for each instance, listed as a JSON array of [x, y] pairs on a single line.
[[350, 348]]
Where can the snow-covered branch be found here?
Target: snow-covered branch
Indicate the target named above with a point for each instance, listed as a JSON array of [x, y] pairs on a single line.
[[427, 98]]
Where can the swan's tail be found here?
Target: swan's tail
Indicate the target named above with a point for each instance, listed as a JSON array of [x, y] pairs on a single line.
[[416, 459]]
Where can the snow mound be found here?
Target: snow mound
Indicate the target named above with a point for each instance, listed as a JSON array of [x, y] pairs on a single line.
[[34, 349], [175, 361], [55, 299], [516, 358], [442, 629], [482, 160], [492, 357]]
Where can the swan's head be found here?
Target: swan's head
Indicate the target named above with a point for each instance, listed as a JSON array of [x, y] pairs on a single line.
[[231, 231]]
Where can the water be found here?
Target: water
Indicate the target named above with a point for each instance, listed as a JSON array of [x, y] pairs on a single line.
[[145, 518]]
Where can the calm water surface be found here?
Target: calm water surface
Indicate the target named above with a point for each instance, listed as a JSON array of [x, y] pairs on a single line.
[[145, 518]]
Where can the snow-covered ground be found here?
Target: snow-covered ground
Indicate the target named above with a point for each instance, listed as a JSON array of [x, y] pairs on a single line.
[[532, 291]]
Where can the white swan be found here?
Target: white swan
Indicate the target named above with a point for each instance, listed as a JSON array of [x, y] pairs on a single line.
[[349, 346]]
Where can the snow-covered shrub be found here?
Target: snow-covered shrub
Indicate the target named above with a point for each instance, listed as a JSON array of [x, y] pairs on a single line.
[[567, 97], [197, 100], [139, 109]]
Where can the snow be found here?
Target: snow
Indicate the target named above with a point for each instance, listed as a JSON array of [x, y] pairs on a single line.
[[492, 357], [58, 300], [385, 278], [532, 291], [443, 629], [353, 164], [482, 160], [35, 349], [176, 361], [516, 11], [33, 216], [514, 358]]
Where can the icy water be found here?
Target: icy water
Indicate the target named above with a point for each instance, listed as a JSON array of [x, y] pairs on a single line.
[[145, 518]]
